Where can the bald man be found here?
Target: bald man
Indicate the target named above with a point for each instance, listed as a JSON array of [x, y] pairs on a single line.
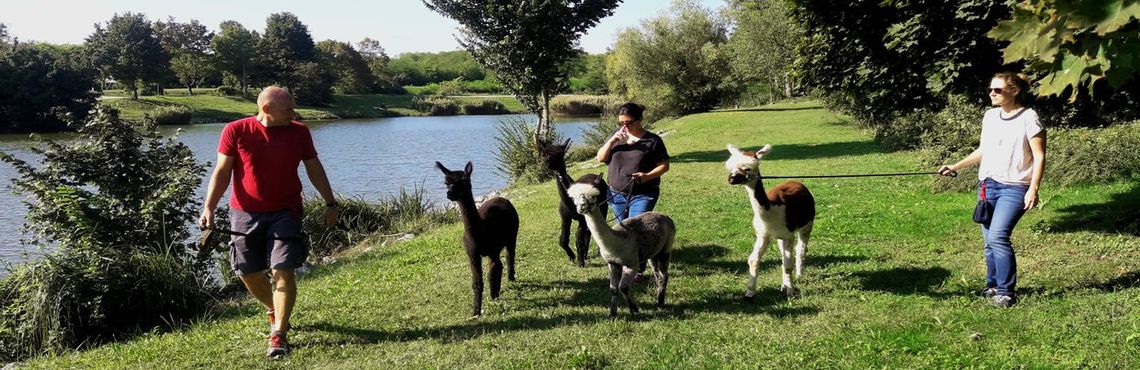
[[261, 154]]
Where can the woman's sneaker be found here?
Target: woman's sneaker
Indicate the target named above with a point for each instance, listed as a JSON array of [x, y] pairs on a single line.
[[1002, 301], [278, 345], [988, 293]]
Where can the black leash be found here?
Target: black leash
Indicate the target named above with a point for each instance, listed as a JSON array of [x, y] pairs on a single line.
[[625, 192], [952, 174]]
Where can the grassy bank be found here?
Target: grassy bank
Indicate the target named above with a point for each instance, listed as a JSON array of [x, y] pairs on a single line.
[[889, 280], [214, 108]]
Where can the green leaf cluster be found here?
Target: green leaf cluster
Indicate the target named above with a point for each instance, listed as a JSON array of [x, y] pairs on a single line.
[[1073, 44]]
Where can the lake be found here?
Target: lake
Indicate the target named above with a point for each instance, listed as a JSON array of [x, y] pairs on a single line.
[[364, 158]]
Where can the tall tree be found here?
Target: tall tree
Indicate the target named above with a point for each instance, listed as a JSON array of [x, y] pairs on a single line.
[[188, 45], [352, 73], [377, 59], [527, 44], [285, 42], [675, 63], [44, 90], [127, 49], [286, 50], [763, 45], [234, 48]]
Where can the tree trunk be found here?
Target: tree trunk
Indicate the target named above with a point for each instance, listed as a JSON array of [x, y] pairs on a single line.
[[787, 85]]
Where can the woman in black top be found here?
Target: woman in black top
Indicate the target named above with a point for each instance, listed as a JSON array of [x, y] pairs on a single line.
[[637, 159]]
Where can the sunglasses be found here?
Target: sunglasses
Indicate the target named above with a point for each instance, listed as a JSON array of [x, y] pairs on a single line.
[[996, 90]]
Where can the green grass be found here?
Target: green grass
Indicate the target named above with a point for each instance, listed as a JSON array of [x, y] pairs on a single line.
[[214, 108], [889, 280]]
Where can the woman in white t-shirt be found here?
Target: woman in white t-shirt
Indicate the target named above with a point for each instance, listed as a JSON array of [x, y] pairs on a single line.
[[1011, 154]]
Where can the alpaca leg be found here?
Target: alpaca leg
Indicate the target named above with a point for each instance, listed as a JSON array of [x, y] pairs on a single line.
[[661, 272], [564, 237], [476, 285], [786, 259], [627, 279], [615, 281], [496, 266], [801, 248], [758, 249], [511, 258], [583, 243]]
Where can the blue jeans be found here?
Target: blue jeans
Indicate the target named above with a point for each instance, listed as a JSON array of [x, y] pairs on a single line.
[[1008, 201], [636, 204]]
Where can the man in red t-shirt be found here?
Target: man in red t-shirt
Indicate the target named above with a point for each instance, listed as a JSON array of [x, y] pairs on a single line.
[[262, 154]]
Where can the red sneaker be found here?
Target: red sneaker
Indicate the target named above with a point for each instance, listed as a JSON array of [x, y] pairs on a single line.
[[278, 345]]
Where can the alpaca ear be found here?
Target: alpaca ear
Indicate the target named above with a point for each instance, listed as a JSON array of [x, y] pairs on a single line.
[[442, 168], [760, 153], [567, 143], [468, 168], [732, 150], [598, 180]]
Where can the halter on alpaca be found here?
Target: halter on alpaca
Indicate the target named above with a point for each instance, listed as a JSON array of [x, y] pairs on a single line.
[[645, 237]]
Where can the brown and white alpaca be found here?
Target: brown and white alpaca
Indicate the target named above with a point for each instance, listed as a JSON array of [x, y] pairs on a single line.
[[645, 237], [785, 212], [554, 156], [486, 231]]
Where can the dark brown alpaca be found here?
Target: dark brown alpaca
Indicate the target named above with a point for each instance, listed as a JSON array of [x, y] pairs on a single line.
[[554, 156], [486, 231]]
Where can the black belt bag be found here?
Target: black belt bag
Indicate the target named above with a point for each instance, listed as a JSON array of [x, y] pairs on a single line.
[[983, 212]]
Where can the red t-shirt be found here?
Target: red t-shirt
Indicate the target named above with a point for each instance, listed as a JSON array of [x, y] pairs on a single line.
[[265, 163]]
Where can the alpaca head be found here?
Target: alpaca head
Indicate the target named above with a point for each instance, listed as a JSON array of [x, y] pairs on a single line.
[[744, 166], [458, 182], [554, 155], [588, 192]]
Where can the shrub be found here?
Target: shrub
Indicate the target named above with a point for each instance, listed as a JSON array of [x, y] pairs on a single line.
[[485, 107], [114, 205], [518, 153], [1079, 155], [582, 105], [227, 91], [483, 87], [436, 106], [405, 211], [172, 115]]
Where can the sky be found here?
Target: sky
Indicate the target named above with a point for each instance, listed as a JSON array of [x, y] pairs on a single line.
[[400, 25]]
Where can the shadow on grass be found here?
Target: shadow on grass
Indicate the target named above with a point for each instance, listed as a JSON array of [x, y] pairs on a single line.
[[788, 151], [907, 280], [706, 259], [1117, 216], [447, 333]]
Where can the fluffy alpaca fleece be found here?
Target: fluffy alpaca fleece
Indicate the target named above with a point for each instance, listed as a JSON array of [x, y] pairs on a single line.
[[645, 237], [785, 212]]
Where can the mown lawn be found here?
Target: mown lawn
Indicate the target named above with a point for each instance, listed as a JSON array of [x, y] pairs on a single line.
[[889, 280], [214, 108]]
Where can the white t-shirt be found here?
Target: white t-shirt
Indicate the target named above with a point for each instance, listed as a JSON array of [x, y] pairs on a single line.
[[1006, 156]]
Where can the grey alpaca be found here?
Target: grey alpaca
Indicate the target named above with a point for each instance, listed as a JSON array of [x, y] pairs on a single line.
[[645, 237]]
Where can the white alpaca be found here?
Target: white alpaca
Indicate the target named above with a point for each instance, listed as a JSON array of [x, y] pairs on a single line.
[[786, 211], [645, 237]]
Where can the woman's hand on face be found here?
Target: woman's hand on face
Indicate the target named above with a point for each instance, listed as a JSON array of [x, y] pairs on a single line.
[[619, 137], [1030, 199]]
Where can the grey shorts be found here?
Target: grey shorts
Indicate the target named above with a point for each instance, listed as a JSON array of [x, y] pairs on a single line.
[[273, 240]]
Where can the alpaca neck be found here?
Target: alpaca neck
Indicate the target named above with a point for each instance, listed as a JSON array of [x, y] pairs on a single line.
[[563, 180], [608, 240], [467, 211], [757, 196]]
